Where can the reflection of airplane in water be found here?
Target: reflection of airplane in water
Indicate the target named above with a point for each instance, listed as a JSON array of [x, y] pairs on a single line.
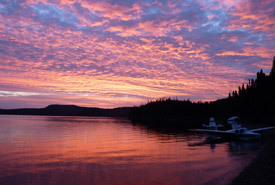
[[237, 131], [237, 146], [233, 145]]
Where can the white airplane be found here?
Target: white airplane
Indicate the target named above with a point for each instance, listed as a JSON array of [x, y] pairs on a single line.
[[237, 131], [212, 124]]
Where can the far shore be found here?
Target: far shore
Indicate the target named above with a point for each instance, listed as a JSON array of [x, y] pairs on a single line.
[[261, 169]]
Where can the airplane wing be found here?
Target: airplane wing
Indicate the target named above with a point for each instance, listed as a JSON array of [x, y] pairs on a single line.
[[228, 133], [261, 129], [214, 132]]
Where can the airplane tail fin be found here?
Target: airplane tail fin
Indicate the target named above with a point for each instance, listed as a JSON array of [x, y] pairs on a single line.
[[233, 121], [212, 124]]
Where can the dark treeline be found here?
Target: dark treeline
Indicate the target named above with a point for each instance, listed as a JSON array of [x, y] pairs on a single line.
[[254, 102], [170, 111]]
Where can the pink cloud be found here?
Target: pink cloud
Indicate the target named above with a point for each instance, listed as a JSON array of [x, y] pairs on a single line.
[[98, 53]]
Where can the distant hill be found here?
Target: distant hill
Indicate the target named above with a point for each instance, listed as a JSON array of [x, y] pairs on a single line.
[[69, 110], [253, 102]]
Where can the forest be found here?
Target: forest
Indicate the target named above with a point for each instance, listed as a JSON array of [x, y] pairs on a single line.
[[253, 102]]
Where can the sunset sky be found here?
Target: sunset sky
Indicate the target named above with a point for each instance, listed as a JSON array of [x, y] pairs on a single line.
[[112, 53]]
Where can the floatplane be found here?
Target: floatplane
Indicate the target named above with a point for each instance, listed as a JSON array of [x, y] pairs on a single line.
[[237, 131]]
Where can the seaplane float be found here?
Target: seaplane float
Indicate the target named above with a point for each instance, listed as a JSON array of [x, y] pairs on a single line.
[[237, 131]]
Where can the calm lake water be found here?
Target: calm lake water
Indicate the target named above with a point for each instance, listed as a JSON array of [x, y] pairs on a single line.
[[50, 150]]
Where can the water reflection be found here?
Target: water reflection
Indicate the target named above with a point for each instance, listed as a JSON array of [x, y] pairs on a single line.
[[82, 150], [234, 146]]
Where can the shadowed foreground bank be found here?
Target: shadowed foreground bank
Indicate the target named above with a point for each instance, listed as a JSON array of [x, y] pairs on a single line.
[[262, 169]]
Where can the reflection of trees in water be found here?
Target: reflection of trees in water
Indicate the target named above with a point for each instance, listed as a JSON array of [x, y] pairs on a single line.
[[164, 133], [64, 122]]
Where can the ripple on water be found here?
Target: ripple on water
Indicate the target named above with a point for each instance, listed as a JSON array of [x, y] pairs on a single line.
[[85, 150]]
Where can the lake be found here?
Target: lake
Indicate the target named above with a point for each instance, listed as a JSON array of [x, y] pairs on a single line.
[[52, 150]]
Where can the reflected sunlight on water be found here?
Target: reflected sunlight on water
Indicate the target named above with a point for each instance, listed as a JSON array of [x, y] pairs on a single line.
[[83, 150]]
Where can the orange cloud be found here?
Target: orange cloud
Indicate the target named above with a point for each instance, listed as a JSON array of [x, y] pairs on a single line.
[[116, 54]]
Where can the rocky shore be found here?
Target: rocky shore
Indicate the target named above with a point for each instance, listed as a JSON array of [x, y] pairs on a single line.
[[261, 170]]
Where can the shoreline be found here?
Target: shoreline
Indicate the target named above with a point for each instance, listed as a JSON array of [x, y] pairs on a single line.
[[261, 170]]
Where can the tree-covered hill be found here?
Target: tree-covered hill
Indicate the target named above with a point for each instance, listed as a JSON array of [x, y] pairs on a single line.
[[69, 110], [253, 102]]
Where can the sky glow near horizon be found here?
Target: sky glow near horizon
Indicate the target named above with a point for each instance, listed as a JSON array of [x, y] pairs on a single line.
[[111, 53]]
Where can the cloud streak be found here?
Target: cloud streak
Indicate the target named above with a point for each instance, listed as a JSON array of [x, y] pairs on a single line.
[[118, 53]]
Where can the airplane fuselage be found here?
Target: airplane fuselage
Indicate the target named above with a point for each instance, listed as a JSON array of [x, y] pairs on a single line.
[[242, 134]]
